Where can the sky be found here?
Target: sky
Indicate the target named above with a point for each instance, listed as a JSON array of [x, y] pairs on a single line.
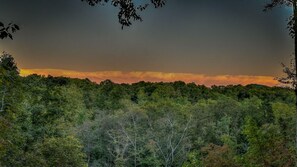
[[203, 41]]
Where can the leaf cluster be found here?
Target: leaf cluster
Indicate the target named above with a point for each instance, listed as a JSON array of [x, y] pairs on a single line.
[[7, 31], [129, 10]]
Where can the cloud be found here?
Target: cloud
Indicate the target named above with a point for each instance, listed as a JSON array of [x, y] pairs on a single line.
[[132, 77]]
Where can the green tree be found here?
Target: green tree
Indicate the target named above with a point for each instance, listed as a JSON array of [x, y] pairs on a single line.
[[61, 151], [11, 113], [266, 146]]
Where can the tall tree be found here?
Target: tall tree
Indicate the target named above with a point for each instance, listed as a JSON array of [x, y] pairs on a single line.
[[292, 26], [10, 111]]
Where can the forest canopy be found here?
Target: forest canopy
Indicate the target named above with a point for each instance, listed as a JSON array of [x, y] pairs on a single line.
[[58, 121]]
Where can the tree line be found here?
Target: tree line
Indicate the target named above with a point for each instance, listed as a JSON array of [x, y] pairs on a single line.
[[58, 121]]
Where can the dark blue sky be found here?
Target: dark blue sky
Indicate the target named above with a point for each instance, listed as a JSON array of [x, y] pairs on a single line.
[[213, 37]]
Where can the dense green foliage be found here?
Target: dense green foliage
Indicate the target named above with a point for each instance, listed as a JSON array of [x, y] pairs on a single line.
[[57, 121]]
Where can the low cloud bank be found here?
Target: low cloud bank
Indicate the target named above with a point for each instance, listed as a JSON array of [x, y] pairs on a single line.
[[132, 77]]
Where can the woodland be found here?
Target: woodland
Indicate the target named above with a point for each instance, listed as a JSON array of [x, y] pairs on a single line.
[[57, 121]]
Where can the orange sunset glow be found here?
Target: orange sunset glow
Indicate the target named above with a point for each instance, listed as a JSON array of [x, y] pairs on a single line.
[[132, 77]]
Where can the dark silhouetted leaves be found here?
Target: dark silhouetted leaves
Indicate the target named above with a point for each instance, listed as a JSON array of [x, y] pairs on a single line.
[[128, 10], [6, 32], [289, 3]]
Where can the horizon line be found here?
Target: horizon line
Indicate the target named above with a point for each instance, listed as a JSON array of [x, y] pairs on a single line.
[[149, 76]]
